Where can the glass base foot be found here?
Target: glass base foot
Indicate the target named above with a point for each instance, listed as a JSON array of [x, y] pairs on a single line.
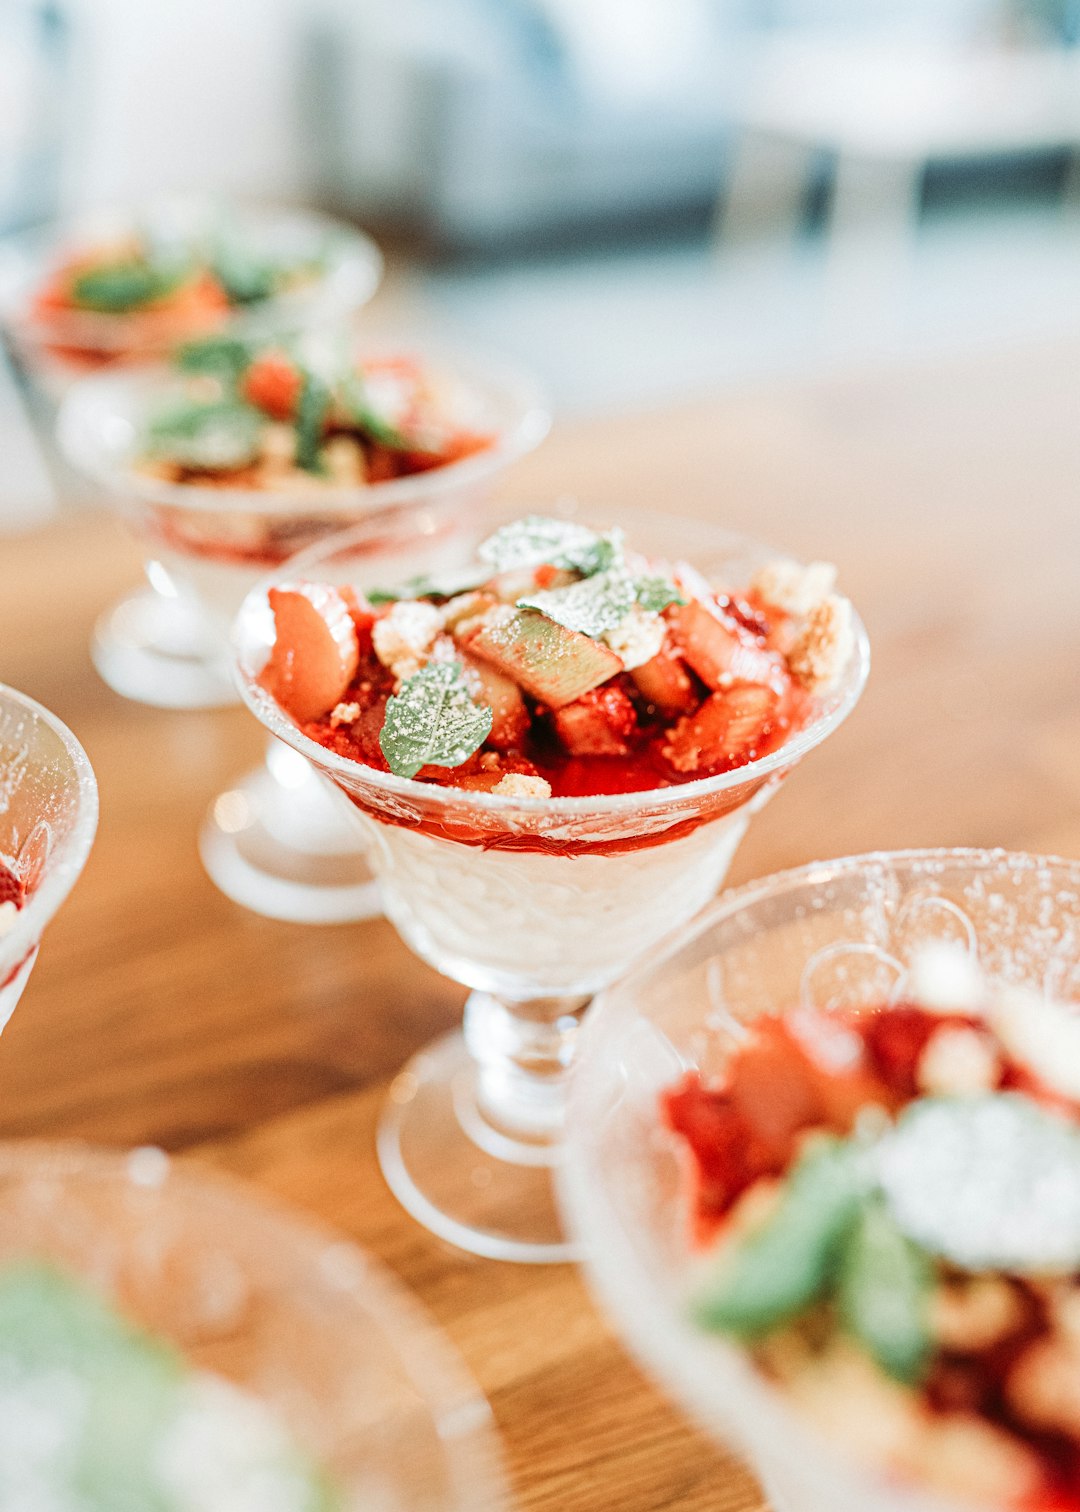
[[157, 650], [267, 846], [461, 1177]]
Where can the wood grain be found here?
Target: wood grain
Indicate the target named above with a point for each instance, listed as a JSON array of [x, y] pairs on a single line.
[[161, 1012]]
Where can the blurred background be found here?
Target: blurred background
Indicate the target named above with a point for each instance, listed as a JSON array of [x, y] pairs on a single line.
[[643, 199]]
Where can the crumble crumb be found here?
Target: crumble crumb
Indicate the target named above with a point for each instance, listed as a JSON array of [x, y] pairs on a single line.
[[637, 637], [521, 785], [404, 637], [345, 462], [8, 914], [344, 713], [790, 586], [823, 645], [957, 1063]]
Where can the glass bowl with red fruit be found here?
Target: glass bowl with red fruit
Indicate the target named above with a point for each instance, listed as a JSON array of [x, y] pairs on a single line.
[[48, 815], [170, 1338], [553, 744], [226, 464], [823, 1157], [128, 285]]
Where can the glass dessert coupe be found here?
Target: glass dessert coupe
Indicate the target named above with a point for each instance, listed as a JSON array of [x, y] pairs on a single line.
[[533, 903], [834, 935], [293, 1315], [274, 842], [48, 815], [155, 646]]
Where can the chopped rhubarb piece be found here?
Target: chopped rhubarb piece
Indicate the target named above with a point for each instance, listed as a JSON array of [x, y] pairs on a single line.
[[510, 717], [551, 663], [315, 652], [273, 384], [719, 648], [597, 724], [728, 728], [666, 683]]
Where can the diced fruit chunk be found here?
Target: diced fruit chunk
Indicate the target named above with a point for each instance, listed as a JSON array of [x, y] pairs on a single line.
[[551, 663], [666, 683], [719, 649], [597, 724], [316, 650], [729, 727], [273, 384], [510, 717]]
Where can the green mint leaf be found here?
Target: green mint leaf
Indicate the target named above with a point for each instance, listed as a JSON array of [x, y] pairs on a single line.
[[591, 606], [656, 593], [218, 436], [353, 397], [245, 276], [311, 412], [562, 543], [777, 1270], [223, 357], [883, 1293], [377, 596], [115, 288], [439, 585], [433, 721]]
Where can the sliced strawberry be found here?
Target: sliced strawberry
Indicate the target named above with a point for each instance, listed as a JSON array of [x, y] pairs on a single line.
[[11, 887], [728, 1154], [728, 728], [666, 684], [719, 648], [510, 717], [273, 384], [316, 650], [597, 724]]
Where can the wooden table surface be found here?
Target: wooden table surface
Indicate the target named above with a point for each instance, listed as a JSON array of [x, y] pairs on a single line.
[[160, 1012]]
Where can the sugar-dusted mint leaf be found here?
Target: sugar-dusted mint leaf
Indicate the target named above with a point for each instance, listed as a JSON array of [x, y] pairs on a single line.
[[433, 721], [656, 593], [593, 605], [562, 543], [989, 1182], [439, 585]]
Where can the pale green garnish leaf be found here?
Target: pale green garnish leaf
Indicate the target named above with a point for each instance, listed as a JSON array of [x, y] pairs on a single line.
[[561, 543], [218, 436], [433, 721], [656, 593], [591, 606], [883, 1293]]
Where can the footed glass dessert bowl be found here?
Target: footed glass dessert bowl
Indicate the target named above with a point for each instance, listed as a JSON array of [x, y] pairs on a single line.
[[172, 1340], [126, 285], [48, 815], [219, 489], [822, 1159], [532, 897]]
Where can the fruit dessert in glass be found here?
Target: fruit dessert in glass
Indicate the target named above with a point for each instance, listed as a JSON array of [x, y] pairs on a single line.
[[170, 1342], [128, 285], [48, 815], [825, 1157], [554, 747], [225, 465]]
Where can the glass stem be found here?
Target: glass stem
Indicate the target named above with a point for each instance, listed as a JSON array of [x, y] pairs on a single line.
[[523, 1053]]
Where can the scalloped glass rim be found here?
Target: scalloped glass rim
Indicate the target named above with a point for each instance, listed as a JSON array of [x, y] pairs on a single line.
[[348, 282], [430, 1362], [62, 873], [457, 800], [86, 412], [681, 1356]]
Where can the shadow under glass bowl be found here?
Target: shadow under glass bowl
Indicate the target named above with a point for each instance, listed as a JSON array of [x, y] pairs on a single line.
[[273, 842], [278, 1306], [48, 816], [834, 934], [534, 904]]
